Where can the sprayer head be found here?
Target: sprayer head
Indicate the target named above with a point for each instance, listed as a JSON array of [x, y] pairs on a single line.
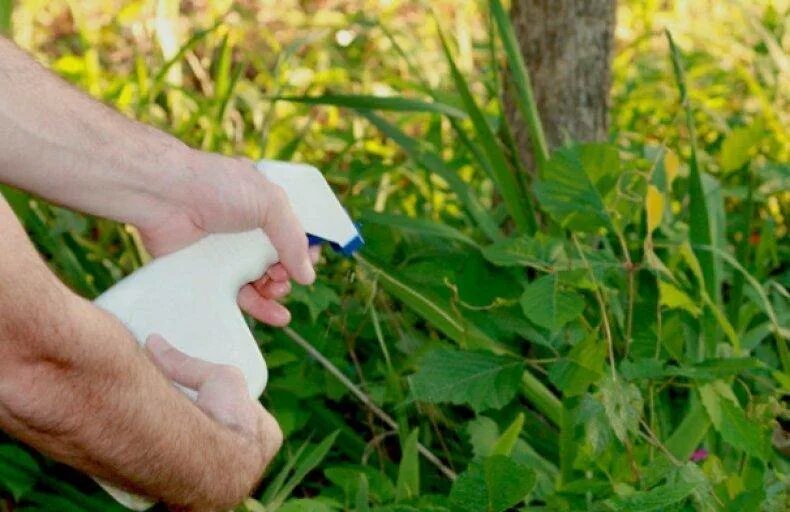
[[321, 214]]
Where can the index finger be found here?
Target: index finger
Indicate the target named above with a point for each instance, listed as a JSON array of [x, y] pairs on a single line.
[[284, 230]]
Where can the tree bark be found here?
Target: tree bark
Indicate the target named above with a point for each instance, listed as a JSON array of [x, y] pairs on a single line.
[[567, 45]]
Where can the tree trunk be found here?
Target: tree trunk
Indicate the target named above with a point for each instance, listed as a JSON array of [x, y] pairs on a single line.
[[567, 45]]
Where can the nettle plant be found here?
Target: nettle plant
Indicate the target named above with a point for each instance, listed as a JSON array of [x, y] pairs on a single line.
[[603, 329]]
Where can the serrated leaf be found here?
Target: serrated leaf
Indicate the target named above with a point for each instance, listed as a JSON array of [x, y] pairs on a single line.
[[572, 188], [731, 422], [494, 485], [623, 404], [525, 251], [317, 297], [478, 379], [548, 305], [656, 499], [581, 367]]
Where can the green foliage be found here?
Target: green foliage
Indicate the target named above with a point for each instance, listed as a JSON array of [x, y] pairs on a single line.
[[563, 336], [493, 485], [479, 379]]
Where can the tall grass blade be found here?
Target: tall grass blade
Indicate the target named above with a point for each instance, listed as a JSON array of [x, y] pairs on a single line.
[[519, 75], [434, 163], [517, 201], [310, 461], [393, 103], [422, 227], [160, 78], [699, 220]]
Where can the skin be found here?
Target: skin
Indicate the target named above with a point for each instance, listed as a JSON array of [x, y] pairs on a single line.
[[74, 384]]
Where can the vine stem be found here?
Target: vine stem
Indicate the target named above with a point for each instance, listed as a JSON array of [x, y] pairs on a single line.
[[365, 399], [602, 305]]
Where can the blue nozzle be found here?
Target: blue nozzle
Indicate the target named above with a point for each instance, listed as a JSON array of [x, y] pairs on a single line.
[[348, 249]]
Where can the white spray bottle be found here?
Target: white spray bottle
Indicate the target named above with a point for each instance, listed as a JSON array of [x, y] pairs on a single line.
[[189, 297]]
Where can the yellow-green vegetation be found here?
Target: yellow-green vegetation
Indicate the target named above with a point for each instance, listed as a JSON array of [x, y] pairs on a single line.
[[607, 333]]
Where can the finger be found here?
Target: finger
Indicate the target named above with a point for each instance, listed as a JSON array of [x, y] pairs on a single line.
[[315, 253], [285, 231], [272, 289], [277, 273], [176, 365], [272, 435], [266, 310]]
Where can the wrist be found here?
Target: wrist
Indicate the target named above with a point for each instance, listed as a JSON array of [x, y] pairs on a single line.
[[157, 179]]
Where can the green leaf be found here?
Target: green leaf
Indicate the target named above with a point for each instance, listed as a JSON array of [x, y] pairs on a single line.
[[623, 404], [572, 187], [441, 316], [700, 232], [303, 465], [549, 306], [348, 478], [504, 445], [517, 202], [438, 312], [427, 157], [731, 422], [363, 102], [478, 379], [19, 471], [519, 75], [6, 9], [317, 297], [708, 370], [362, 498], [494, 485], [421, 227], [540, 252], [736, 150], [305, 505], [674, 298], [483, 434], [656, 499], [408, 484], [582, 366]]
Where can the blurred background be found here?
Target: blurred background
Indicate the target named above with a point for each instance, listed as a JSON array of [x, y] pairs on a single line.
[[299, 80]]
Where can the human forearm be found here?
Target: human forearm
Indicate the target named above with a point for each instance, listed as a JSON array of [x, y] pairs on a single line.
[[76, 386], [59, 143]]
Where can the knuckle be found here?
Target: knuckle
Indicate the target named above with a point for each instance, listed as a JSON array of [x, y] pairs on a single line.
[[278, 195], [229, 373]]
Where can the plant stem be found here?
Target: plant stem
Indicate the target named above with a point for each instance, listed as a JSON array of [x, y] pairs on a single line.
[[362, 397]]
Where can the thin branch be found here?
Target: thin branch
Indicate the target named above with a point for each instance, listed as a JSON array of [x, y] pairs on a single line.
[[365, 399]]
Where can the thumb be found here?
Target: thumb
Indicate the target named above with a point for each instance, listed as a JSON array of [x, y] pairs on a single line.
[[185, 370]]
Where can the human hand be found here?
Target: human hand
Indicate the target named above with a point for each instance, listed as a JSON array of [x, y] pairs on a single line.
[[223, 194], [223, 396]]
